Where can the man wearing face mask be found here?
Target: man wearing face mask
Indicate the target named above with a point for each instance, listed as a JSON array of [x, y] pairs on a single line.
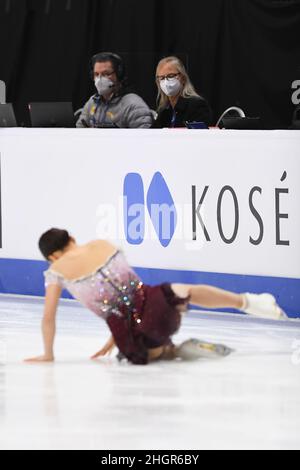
[[113, 106], [178, 101]]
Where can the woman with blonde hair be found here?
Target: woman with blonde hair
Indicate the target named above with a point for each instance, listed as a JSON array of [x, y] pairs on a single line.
[[178, 101]]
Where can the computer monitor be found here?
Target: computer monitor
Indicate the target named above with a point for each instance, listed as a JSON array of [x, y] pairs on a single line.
[[51, 114], [296, 119], [7, 116]]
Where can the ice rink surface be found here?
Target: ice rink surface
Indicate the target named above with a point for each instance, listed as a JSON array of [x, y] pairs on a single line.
[[250, 400]]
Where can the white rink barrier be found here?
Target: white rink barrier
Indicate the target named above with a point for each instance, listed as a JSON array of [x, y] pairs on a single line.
[[216, 207]]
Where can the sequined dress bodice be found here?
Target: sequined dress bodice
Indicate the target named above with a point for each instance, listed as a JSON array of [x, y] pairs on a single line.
[[104, 291]]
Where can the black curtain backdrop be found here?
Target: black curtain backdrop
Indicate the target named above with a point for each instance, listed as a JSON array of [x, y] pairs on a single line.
[[238, 52]]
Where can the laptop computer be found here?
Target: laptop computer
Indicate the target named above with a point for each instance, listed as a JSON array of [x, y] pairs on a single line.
[[51, 114], [7, 116]]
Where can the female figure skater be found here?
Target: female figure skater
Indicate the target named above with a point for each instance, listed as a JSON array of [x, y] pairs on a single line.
[[142, 319]]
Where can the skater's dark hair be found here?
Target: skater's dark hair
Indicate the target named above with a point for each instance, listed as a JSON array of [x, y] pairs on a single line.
[[54, 240]]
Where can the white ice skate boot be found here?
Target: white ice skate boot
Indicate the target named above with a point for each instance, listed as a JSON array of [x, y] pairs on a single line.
[[263, 306], [195, 349]]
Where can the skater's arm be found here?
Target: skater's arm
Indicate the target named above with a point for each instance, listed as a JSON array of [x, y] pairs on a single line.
[[53, 294], [107, 349]]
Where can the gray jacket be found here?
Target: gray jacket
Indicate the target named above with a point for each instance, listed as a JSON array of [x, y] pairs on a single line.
[[127, 112]]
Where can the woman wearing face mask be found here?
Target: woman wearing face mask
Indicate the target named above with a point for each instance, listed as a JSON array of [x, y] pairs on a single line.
[[114, 105], [178, 101]]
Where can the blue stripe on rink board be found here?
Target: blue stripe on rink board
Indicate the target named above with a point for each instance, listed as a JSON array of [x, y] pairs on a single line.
[[25, 277]]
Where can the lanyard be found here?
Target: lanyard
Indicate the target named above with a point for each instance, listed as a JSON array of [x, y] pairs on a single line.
[[93, 117], [173, 120]]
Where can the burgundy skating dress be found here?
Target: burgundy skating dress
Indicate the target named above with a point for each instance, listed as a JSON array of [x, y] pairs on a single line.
[[139, 316]]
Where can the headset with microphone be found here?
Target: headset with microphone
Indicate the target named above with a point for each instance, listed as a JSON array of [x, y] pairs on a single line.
[[115, 59]]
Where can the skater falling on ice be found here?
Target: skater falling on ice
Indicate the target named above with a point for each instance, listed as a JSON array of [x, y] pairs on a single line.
[[142, 319]]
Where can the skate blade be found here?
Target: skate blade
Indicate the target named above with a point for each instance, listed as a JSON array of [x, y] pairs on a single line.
[[195, 349], [215, 350]]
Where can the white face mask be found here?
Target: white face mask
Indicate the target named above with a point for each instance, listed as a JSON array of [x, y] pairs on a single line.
[[104, 85], [171, 87]]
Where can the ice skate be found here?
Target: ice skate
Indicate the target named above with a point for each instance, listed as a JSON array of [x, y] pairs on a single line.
[[193, 349], [263, 306]]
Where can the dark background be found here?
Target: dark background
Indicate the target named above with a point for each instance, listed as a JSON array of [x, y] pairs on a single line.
[[238, 52]]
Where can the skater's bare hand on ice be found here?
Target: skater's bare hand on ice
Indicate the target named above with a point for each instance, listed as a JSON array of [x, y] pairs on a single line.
[[40, 359], [103, 352], [106, 350]]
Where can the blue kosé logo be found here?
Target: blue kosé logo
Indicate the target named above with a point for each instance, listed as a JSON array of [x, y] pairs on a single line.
[[160, 206]]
